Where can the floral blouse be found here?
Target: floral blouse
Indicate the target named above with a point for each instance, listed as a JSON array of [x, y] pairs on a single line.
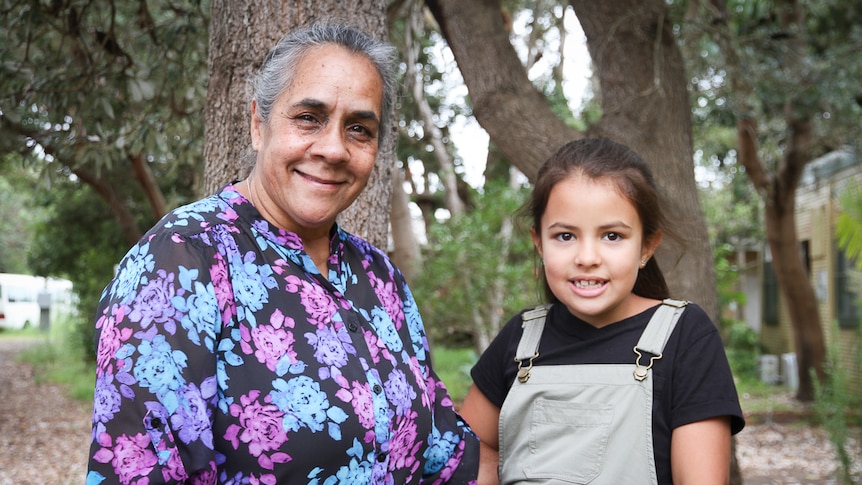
[[224, 356]]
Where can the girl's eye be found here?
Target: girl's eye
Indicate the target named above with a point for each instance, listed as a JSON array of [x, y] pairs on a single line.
[[565, 236], [613, 236]]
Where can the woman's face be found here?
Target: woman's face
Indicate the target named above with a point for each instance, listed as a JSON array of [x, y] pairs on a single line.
[[591, 243], [315, 154]]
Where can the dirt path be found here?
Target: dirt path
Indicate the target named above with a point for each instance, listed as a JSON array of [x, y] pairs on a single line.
[[44, 437]]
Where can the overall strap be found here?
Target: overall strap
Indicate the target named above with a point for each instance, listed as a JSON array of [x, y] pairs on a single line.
[[528, 346], [656, 334]]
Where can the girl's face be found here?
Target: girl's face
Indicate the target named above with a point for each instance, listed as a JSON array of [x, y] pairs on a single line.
[[591, 243]]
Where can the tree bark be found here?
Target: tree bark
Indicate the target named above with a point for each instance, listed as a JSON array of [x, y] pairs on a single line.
[[241, 33]]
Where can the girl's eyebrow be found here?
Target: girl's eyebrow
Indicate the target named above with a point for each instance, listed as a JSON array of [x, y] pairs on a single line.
[[603, 227]]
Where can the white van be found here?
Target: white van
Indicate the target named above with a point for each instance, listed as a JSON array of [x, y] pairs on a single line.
[[23, 297]]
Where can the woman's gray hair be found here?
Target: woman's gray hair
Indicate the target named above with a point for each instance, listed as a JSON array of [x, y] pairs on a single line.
[[279, 67]]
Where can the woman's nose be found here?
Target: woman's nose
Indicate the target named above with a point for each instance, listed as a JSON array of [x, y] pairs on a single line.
[[331, 145]]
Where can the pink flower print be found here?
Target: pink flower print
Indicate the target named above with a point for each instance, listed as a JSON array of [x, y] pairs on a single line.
[[112, 337], [317, 303], [222, 288], [363, 403], [174, 471], [271, 343], [388, 295], [404, 445], [259, 427], [133, 458], [426, 387]]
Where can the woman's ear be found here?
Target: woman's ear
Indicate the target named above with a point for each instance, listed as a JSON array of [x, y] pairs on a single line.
[[255, 127]]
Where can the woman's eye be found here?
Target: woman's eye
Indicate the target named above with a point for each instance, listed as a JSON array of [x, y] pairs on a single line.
[[360, 131]]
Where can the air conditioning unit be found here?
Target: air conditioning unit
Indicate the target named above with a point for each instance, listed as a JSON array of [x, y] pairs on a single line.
[[769, 370]]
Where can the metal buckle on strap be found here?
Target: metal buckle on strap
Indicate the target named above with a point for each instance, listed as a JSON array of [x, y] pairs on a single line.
[[640, 372], [524, 372]]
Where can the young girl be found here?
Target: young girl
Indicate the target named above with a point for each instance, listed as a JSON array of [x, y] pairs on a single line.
[[583, 390]]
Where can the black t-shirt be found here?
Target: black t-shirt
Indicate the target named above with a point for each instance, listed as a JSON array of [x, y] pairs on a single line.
[[692, 380]]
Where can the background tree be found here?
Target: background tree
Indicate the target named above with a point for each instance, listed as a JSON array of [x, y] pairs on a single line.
[[102, 91], [782, 74]]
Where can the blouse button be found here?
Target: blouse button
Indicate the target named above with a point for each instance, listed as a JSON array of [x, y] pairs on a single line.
[[352, 323], [381, 457], [377, 389], [156, 423]]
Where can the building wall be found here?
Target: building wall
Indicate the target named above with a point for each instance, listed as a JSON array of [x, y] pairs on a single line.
[[816, 215]]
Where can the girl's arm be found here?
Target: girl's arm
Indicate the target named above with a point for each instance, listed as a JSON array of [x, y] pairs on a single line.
[[483, 417], [700, 452]]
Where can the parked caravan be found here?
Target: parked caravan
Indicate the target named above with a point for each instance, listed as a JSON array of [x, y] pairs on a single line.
[[23, 299]]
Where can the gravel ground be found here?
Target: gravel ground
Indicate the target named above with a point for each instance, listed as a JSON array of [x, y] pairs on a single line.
[[44, 437]]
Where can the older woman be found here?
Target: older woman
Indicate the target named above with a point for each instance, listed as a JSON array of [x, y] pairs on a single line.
[[247, 338]]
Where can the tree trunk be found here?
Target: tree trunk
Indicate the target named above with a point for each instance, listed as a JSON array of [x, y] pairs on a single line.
[[241, 33], [797, 292], [405, 253]]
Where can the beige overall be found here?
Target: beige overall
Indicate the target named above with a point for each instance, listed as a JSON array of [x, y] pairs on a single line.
[[582, 424]]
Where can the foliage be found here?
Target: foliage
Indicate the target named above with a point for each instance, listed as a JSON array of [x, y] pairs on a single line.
[[99, 95], [835, 398], [463, 268], [91, 82], [825, 85], [19, 213], [733, 213], [452, 365], [849, 225], [743, 349]]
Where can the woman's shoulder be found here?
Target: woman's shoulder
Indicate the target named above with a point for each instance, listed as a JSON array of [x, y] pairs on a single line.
[[197, 216]]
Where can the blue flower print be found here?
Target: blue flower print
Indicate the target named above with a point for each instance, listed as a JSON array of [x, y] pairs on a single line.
[[199, 306], [440, 450], [304, 404], [159, 368], [250, 284], [386, 329], [183, 215], [415, 326], [136, 263]]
